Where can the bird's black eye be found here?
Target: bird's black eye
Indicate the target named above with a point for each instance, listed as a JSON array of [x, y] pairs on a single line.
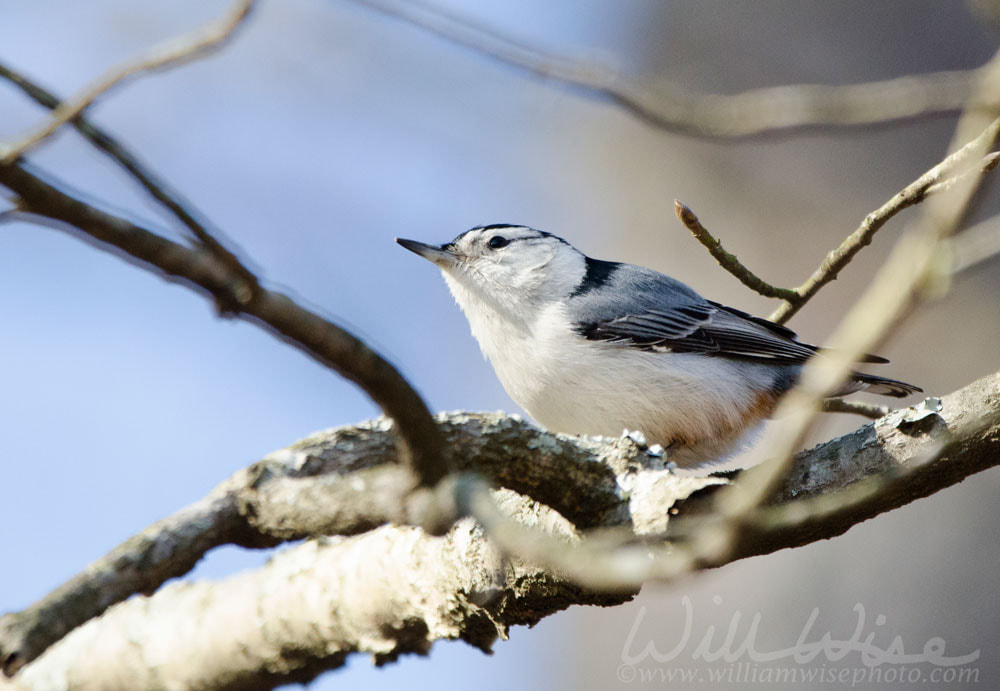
[[497, 241]]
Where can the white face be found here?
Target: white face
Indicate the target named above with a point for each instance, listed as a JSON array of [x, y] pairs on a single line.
[[513, 270], [513, 266], [504, 253]]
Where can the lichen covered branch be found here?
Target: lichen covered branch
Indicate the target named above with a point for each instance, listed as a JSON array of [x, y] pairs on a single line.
[[346, 481], [391, 591], [902, 457]]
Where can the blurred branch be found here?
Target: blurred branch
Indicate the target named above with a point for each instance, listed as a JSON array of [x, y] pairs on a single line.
[[672, 107], [977, 244], [197, 268], [989, 162], [869, 410], [156, 187], [728, 261], [346, 481], [175, 51]]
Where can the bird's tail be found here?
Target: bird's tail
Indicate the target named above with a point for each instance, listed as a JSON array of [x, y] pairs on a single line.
[[880, 385]]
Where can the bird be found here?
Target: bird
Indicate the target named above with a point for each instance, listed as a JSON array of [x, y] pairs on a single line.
[[593, 347]]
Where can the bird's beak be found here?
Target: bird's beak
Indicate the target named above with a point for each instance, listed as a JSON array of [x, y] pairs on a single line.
[[438, 255]]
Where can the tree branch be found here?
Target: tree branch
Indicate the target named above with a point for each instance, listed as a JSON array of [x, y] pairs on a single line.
[[907, 455], [319, 338], [391, 591], [156, 187], [344, 481], [952, 171], [942, 177], [728, 261], [671, 107], [976, 244], [396, 590], [175, 51]]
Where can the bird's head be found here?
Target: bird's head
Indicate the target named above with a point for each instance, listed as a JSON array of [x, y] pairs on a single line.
[[514, 270]]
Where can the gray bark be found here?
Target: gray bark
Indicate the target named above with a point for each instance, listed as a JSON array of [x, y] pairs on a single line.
[[395, 588]]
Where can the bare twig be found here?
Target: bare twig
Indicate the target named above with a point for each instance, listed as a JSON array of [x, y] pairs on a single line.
[[174, 51], [671, 107], [331, 345], [930, 183], [940, 178], [989, 162], [728, 261]]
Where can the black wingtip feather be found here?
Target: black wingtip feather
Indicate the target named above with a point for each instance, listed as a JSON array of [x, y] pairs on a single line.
[[784, 331], [885, 386]]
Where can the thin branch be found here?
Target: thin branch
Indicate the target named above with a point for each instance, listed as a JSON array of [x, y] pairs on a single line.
[[940, 178], [326, 342], [930, 183], [671, 107], [175, 51], [989, 162], [152, 183], [157, 188], [728, 261]]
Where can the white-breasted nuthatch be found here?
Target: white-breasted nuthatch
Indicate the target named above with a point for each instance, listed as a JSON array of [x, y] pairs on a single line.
[[587, 346]]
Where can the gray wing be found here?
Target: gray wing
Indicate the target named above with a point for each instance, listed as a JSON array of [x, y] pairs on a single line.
[[641, 308]]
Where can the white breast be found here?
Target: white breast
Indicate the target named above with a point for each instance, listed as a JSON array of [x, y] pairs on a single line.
[[699, 406]]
